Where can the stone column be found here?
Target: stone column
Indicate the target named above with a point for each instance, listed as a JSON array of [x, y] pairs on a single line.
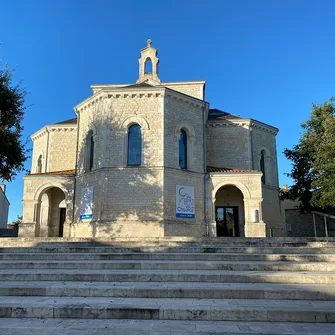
[[28, 227], [211, 219], [254, 226]]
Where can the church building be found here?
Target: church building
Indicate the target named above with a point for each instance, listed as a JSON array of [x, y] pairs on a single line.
[[152, 159]]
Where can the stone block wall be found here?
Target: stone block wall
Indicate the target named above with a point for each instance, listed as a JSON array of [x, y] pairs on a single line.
[[263, 139], [110, 115], [188, 114], [228, 145], [62, 148], [126, 201], [40, 148], [57, 145], [174, 226], [193, 89], [272, 214]]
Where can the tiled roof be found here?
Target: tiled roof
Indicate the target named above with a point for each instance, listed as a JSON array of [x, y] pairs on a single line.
[[217, 114], [64, 172], [69, 121], [215, 169]]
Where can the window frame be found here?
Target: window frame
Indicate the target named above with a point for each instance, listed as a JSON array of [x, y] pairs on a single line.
[[138, 141], [184, 142]]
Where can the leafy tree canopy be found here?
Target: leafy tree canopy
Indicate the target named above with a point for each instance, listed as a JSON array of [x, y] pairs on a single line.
[[12, 106], [313, 161]]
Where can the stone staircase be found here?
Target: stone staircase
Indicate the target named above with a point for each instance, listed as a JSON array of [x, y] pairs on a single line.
[[167, 286]]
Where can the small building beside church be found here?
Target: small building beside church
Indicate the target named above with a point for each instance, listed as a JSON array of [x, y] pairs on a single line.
[[152, 159]]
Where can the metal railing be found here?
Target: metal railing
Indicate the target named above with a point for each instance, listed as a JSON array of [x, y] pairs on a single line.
[[325, 216]]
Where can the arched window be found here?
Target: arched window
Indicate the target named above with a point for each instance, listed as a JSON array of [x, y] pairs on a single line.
[[39, 164], [262, 165], [148, 66], [183, 149], [134, 145], [89, 159]]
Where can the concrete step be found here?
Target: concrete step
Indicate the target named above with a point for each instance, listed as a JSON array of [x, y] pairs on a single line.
[[167, 257], [171, 249], [172, 241], [32, 326], [216, 276], [168, 309], [172, 265], [180, 290]]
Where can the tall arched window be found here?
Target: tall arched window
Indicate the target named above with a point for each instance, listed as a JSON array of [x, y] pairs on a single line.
[[183, 149], [39, 164], [89, 159], [134, 145], [262, 165]]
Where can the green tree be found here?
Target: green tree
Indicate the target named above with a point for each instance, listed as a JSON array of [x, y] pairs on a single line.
[[313, 161], [17, 222], [13, 153]]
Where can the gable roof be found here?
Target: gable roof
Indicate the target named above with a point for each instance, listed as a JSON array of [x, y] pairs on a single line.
[[217, 114], [69, 121]]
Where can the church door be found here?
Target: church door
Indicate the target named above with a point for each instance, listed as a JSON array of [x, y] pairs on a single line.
[[227, 223]]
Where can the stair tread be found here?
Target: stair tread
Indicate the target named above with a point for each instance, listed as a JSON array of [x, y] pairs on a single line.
[[151, 271], [157, 303], [169, 285], [19, 326], [161, 261]]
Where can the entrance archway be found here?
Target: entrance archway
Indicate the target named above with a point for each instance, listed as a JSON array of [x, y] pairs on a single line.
[[51, 213], [229, 211]]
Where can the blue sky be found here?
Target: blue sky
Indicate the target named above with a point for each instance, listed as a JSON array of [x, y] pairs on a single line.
[[267, 60]]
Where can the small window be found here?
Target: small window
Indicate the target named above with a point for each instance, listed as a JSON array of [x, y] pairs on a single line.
[[91, 151], [89, 159], [134, 145], [183, 149], [39, 164], [262, 165]]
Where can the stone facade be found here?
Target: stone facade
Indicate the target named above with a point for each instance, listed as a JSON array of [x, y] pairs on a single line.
[[223, 154]]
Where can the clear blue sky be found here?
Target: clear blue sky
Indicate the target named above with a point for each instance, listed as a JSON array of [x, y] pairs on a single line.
[[267, 60]]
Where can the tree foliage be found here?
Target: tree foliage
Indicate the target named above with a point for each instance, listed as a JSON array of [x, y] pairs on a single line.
[[13, 153], [313, 161], [17, 222]]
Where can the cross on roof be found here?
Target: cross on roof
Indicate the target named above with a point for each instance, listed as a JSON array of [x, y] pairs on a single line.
[[149, 43]]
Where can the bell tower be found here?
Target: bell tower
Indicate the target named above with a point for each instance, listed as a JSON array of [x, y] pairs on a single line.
[[148, 74]]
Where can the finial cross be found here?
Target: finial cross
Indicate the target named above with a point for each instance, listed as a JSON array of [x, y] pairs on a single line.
[[149, 43]]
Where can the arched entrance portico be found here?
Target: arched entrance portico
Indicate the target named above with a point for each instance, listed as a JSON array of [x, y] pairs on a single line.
[[234, 199], [229, 212], [51, 213]]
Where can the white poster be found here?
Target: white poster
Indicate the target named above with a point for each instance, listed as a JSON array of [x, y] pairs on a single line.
[[185, 202], [86, 203]]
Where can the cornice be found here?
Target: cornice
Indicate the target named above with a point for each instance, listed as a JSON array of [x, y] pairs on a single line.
[[97, 88], [265, 127], [121, 93], [244, 123], [52, 128]]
